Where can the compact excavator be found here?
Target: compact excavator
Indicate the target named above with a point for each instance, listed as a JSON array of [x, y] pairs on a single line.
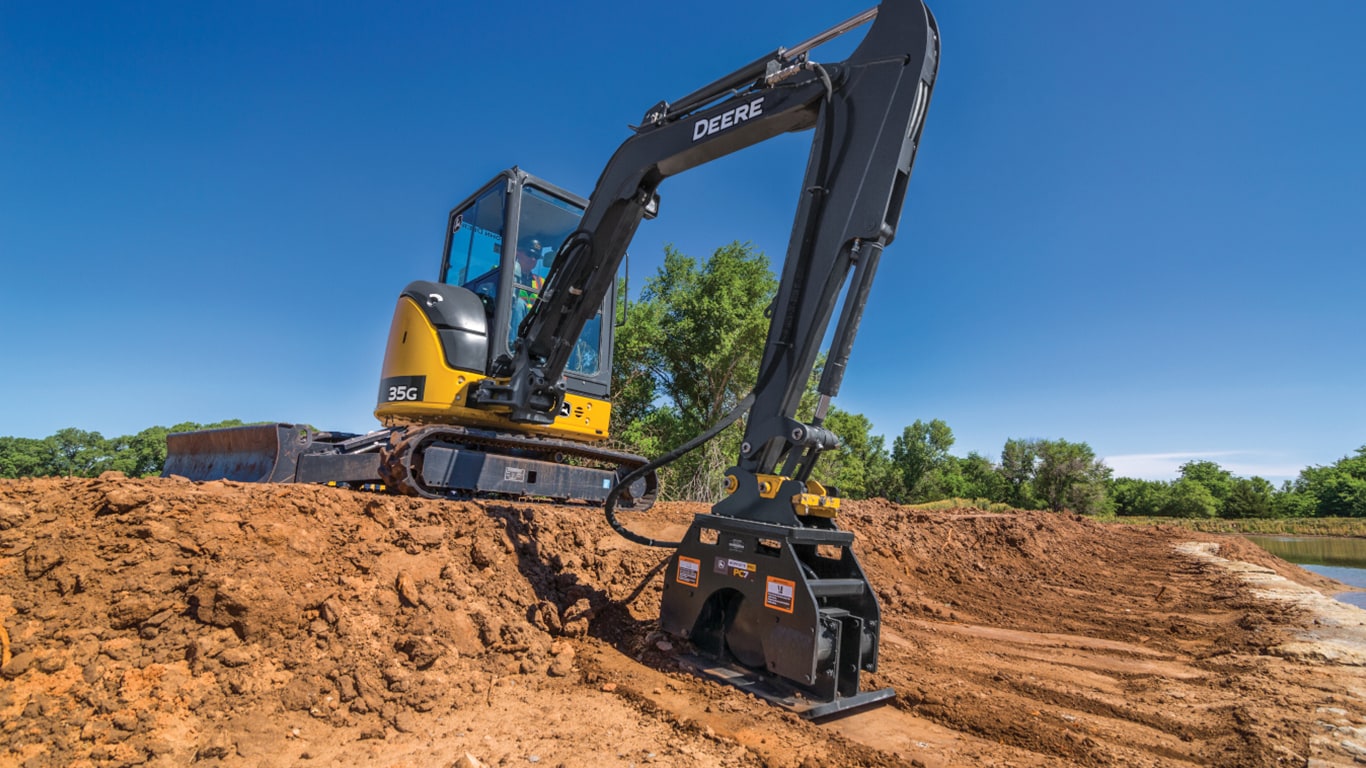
[[441, 434], [496, 375]]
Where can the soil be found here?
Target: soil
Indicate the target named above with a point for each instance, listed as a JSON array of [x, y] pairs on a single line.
[[165, 623]]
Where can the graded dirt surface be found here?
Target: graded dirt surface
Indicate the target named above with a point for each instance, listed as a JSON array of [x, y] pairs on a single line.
[[168, 623]]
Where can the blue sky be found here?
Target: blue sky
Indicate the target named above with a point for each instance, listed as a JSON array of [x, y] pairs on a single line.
[[1139, 226]]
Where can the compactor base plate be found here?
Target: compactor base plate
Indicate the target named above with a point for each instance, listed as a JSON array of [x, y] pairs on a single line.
[[774, 691]]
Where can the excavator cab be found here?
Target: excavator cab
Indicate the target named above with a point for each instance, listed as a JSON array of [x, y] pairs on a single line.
[[449, 334]]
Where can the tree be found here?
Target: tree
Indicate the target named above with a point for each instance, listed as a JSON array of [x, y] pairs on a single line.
[[1069, 476], [1339, 489], [884, 480], [981, 479], [1249, 497], [1017, 470], [24, 457], [77, 453], [920, 450], [1293, 501], [1146, 498], [944, 481], [1190, 498], [1217, 480], [688, 352]]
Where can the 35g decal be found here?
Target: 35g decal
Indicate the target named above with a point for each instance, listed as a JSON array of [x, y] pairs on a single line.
[[402, 389]]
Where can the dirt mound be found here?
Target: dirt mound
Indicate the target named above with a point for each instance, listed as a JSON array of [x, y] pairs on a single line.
[[164, 622]]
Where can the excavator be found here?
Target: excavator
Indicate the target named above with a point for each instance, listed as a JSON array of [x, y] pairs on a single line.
[[496, 375], [443, 434]]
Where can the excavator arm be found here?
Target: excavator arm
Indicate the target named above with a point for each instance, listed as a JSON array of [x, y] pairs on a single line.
[[867, 111], [766, 587]]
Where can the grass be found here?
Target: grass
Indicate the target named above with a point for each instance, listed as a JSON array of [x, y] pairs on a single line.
[[1290, 526]]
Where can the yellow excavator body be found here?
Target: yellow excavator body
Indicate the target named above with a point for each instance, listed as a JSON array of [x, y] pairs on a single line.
[[414, 350]]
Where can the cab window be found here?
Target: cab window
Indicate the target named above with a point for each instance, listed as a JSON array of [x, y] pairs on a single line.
[[545, 223], [477, 244]]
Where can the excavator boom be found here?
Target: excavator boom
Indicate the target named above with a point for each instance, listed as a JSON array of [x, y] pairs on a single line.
[[766, 586]]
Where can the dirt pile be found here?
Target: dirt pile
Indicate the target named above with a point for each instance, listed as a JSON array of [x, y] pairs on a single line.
[[163, 622]]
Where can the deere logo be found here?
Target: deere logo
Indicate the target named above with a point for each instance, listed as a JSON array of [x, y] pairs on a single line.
[[728, 118]]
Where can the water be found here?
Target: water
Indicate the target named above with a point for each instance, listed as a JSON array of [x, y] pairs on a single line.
[[1337, 557]]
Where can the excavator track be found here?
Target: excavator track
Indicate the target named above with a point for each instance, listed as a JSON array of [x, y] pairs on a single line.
[[440, 461]]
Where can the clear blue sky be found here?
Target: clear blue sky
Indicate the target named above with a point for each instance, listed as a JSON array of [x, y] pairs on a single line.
[[1136, 225]]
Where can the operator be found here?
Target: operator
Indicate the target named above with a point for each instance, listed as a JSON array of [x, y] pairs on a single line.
[[526, 283], [528, 254]]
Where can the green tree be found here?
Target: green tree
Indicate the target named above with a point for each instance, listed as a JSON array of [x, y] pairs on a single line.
[[1339, 489], [981, 479], [688, 352], [1249, 498], [1190, 498], [25, 457], [1217, 480], [1146, 498], [884, 480], [1069, 476], [78, 453], [140, 454], [1018, 458], [919, 453], [1293, 501], [945, 480]]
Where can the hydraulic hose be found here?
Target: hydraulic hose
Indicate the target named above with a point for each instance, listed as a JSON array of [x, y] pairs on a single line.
[[609, 509]]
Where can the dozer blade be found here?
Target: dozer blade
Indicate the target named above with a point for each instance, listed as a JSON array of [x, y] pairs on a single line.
[[262, 453]]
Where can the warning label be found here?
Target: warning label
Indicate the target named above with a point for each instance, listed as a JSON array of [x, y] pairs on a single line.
[[688, 570], [779, 594]]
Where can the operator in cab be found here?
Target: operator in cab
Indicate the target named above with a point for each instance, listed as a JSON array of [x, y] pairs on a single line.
[[529, 254], [526, 282]]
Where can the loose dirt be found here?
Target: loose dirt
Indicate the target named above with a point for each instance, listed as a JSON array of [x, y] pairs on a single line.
[[166, 623]]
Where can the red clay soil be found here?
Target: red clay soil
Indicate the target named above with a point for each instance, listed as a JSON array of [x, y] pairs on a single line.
[[168, 623]]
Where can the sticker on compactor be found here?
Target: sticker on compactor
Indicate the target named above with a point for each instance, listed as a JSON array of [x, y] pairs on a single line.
[[689, 569], [779, 594]]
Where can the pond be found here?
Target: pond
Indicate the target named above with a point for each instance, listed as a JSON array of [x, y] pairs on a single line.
[[1337, 557]]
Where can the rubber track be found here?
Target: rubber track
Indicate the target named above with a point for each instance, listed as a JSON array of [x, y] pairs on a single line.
[[400, 462]]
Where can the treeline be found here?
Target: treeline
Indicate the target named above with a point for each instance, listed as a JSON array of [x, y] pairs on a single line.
[[77, 453], [690, 348], [1206, 490]]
